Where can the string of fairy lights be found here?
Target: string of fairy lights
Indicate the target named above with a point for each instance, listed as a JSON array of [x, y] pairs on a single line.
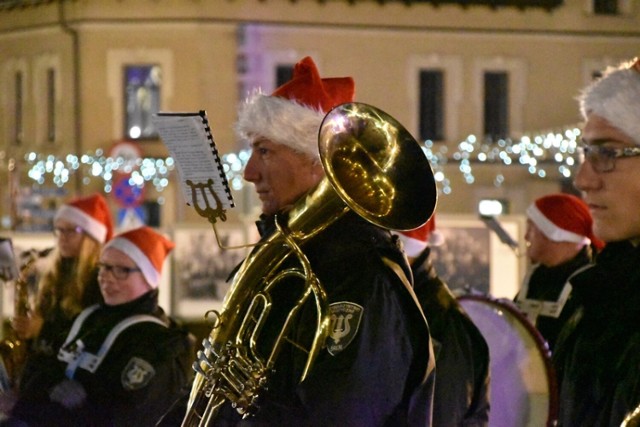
[[547, 155]]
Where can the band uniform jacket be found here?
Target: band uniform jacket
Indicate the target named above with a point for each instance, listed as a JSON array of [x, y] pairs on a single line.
[[597, 355], [145, 368], [462, 355], [545, 298], [57, 322], [375, 369]]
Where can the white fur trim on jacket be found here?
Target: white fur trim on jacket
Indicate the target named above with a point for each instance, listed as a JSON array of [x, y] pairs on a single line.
[[282, 121]]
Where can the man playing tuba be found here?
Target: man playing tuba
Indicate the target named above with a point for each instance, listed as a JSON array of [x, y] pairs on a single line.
[[374, 364]]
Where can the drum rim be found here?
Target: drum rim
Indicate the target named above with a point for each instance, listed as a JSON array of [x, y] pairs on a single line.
[[540, 342]]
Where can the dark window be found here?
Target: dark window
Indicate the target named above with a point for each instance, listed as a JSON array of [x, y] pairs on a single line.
[[51, 105], [431, 105], [496, 104], [283, 74], [19, 113], [142, 99], [605, 7]]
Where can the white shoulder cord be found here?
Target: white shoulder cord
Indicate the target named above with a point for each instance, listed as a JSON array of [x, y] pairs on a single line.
[[76, 357]]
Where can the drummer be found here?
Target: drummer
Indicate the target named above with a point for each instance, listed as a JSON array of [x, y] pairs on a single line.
[[560, 241]]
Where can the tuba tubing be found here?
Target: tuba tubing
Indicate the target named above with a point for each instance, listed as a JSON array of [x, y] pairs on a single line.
[[372, 166]]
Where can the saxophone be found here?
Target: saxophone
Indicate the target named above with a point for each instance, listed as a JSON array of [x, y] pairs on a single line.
[[372, 166], [13, 350]]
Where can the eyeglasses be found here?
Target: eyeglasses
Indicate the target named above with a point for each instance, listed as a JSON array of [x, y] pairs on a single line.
[[120, 272], [603, 158], [59, 231]]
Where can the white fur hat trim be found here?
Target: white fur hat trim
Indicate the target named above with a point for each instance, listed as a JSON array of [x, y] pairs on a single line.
[[615, 97], [89, 224], [130, 249], [552, 231], [282, 121]]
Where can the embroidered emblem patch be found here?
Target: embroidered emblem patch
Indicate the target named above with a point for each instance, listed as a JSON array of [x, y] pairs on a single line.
[[136, 374], [344, 321]]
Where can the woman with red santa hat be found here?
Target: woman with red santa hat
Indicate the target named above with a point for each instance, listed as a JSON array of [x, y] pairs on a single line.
[[123, 361], [70, 283]]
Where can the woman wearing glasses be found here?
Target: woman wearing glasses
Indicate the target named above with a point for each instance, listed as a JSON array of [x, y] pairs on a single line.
[[70, 284], [123, 361]]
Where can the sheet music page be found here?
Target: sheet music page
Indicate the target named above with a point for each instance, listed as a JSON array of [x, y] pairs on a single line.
[[188, 143], [8, 263]]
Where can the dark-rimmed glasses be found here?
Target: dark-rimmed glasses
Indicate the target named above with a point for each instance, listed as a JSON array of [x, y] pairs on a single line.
[[60, 231], [120, 272], [603, 158]]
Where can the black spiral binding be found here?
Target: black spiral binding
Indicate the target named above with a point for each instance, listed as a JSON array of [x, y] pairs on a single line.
[[214, 150]]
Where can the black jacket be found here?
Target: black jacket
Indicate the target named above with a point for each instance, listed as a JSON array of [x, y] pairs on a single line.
[[597, 355], [462, 355], [372, 370], [545, 286], [144, 370]]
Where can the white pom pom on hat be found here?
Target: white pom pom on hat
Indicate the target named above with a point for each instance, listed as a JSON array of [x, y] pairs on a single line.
[[292, 115], [616, 97]]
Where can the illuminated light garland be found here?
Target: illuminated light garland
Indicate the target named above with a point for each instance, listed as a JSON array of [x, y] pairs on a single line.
[[96, 165], [546, 155]]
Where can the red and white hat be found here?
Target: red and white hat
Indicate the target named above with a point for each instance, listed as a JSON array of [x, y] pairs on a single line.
[[563, 218], [416, 241], [293, 113], [616, 97], [91, 213], [147, 248]]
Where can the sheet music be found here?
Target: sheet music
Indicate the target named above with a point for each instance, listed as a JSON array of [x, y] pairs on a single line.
[[190, 143]]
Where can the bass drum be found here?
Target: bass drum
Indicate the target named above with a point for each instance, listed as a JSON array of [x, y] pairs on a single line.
[[523, 382]]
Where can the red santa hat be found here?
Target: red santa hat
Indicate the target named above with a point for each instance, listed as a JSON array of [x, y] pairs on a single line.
[[147, 248], [563, 218], [293, 113], [89, 213], [416, 241], [616, 97]]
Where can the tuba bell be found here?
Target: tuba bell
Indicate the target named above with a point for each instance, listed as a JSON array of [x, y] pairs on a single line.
[[374, 167]]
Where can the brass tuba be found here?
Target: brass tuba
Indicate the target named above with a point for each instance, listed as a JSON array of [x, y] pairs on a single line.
[[372, 166]]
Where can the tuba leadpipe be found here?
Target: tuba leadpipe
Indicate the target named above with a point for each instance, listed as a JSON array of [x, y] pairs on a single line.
[[373, 167]]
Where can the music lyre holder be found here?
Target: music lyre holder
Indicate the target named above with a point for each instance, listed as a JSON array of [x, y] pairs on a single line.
[[210, 213]]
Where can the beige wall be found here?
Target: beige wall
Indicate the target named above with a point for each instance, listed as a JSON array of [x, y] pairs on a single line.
[[197, 44]]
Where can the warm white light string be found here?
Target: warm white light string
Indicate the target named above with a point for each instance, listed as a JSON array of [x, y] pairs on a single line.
[[549, 155]]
